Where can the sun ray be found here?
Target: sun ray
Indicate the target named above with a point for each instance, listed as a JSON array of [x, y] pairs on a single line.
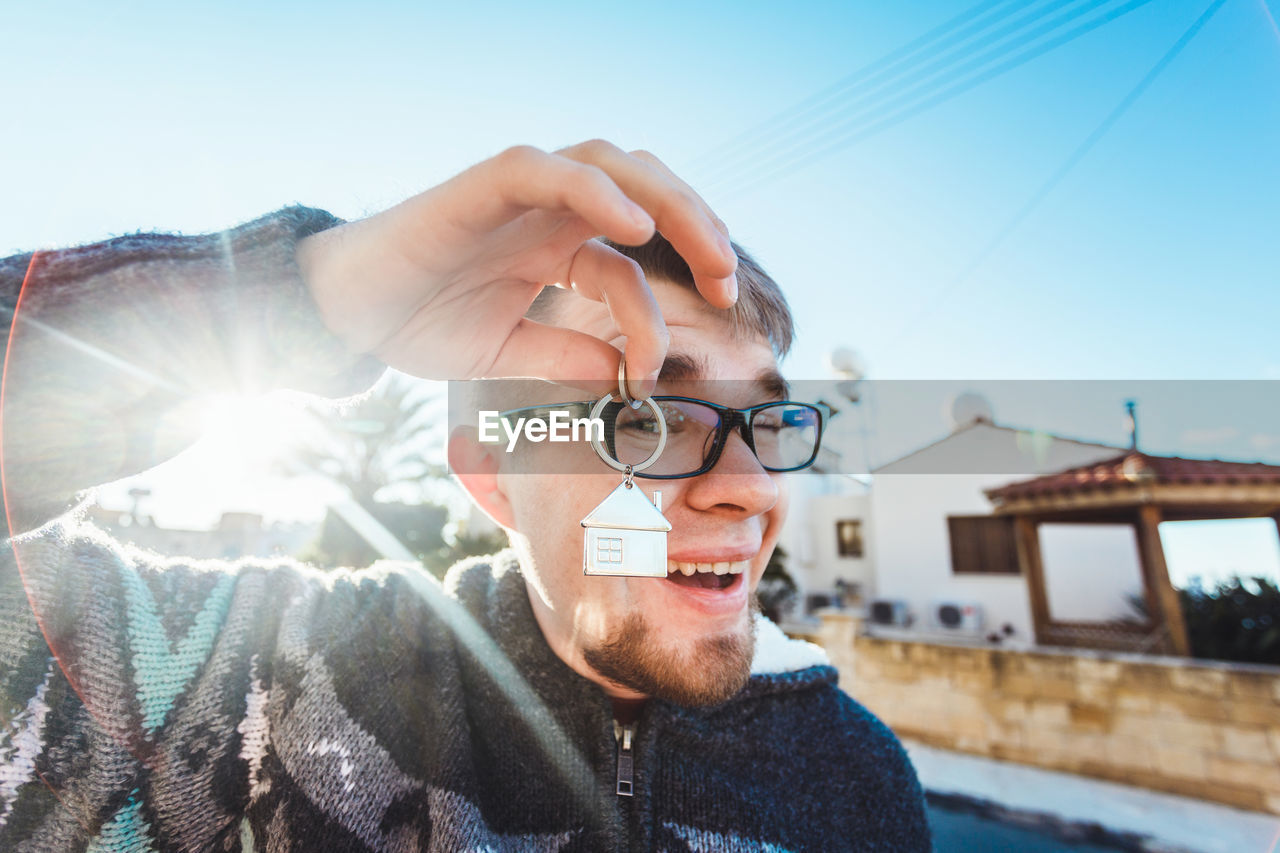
[[96, 352]]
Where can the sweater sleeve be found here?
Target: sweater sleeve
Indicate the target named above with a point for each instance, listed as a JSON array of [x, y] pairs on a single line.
[[130, 685], [113, 347]]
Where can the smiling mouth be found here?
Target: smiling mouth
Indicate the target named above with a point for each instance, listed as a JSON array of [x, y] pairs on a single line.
[[713, 576]]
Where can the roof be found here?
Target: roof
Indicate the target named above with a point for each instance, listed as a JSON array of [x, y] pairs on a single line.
[[627, 508], [954, 452], [1137, 468]]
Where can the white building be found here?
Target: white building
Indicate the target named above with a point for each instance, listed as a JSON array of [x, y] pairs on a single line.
[[915, 498], [894, 538]]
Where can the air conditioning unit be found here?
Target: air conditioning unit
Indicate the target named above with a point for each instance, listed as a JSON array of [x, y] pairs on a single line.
[[890, 611], [961, 617]]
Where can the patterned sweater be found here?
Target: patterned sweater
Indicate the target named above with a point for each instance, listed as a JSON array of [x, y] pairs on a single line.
[[166, 704]]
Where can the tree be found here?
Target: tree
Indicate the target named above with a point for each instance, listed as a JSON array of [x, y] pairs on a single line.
[[376, 444], [376, 450], [777, 589], [416, 526], [1236, 621]]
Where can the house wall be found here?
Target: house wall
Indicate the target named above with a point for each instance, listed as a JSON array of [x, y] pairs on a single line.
[[912, 498], [1090, 570], [809, 535], [1202, 729], [827, 566], [913, 550]]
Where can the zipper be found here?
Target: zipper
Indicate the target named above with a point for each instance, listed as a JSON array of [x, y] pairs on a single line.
[[626, 759]]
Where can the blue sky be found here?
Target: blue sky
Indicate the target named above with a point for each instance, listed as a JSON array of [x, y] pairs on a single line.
[[1154, 257]]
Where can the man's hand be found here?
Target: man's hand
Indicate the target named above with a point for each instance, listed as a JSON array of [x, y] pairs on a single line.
[[438, 285]]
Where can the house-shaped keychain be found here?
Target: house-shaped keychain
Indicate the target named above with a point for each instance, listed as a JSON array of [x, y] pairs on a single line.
[[626, 535]]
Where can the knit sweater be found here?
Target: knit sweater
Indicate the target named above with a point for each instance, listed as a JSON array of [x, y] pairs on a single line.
[[151, 703]]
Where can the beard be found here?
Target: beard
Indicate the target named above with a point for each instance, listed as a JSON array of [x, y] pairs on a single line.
[[709, 673]]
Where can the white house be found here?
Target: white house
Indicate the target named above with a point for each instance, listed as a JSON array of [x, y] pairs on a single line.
[[895, 539], [919, 503]]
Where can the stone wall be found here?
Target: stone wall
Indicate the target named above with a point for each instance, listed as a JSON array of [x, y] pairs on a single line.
[[1201, 729]]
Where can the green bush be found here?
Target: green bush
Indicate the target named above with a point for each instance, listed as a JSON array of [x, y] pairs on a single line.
[[1237, 620], [777, 590]]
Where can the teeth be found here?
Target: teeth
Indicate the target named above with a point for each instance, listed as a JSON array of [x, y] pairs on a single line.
[[721, 568]]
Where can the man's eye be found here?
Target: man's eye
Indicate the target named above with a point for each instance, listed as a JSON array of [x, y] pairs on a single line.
[[641, 425], [644, 423]]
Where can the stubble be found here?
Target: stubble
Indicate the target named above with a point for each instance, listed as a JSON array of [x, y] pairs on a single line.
[[709, 673]]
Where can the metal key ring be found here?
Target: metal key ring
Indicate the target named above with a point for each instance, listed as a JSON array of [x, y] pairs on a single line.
[[614, 463], [622, 385]]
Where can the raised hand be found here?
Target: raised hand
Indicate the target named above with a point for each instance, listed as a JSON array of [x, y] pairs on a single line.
[[438, 285]]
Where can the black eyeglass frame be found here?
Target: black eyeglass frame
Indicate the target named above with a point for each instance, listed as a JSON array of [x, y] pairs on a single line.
[[729, 420]]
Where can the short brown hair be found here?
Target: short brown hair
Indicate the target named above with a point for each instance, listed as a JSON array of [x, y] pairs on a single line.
[[761, 308]]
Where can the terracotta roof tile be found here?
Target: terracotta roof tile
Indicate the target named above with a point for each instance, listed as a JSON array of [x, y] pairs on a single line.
[[1133, 467]]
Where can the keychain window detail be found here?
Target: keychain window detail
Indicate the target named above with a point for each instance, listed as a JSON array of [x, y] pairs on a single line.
[[609, 550]]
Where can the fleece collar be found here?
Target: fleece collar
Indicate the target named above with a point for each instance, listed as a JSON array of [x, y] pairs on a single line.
[[777, 653]]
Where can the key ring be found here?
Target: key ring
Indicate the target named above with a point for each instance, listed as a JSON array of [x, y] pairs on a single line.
[[622, 385], [598, 444]]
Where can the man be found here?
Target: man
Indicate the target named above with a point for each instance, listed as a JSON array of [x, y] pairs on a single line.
[[165, 704]]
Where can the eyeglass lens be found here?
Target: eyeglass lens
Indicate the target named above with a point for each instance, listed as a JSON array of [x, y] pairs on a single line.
[[785, 435]]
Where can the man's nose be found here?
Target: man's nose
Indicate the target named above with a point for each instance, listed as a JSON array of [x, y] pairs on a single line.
[[737, 483]]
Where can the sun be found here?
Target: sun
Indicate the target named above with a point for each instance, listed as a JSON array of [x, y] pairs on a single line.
[[243, 461], [238, 429]]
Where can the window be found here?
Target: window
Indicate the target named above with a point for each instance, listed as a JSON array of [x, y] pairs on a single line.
[[608, 550], [983, 545], [849, 538]]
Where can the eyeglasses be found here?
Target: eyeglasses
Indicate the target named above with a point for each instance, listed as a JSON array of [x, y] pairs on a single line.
[[784, 436]]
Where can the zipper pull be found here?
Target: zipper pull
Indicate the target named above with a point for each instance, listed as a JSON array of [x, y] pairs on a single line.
[[625, 760]]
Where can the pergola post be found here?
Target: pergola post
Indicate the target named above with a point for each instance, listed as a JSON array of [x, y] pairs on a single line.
[[1027, 536], [1155, 574]]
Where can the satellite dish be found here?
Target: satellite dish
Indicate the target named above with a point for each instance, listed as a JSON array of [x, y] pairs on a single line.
[[968, 408], [849, 389], [846, 363]]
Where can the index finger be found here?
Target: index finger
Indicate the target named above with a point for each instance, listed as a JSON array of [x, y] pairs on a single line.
[[679, 213], [604, 274]]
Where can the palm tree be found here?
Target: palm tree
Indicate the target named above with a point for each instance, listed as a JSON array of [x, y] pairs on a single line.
[[376, 449], [378, 443]]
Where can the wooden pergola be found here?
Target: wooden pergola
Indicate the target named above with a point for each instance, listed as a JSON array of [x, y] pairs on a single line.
[[1139, 490]]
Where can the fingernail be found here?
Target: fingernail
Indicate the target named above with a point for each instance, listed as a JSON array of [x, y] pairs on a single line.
[[640, 217], [733, 288], [650, 383]]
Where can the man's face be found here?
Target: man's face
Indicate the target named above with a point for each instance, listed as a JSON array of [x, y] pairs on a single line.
[[689, 638]]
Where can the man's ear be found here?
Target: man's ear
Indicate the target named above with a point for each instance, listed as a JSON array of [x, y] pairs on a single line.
[[476, 467]]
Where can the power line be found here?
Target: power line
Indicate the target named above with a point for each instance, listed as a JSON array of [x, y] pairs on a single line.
[[852, 132], [790, 132], [948, 32], [933, 301]]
